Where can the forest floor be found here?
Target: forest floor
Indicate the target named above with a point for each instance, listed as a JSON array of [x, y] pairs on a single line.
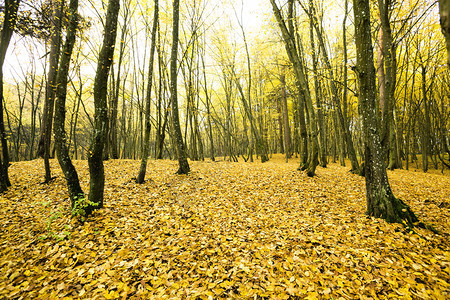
[[227, 230]]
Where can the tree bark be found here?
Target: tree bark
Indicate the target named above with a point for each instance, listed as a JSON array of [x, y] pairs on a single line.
[[444, 11], [287, 129], [62, 150], [112, 132], [45, 139], [95, 157], [180, 146], [10, 18], [381, 202], [387, 81], [208, 110], [334, 91], [322, 138], [289, 41], [146, 152], [426, 147]]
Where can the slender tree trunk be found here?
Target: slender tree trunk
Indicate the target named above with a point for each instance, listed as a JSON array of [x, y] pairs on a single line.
[[180, 146], [426, 147], [95, 158], [45, 139], [303, 130], [381, 202], [287, 129], [62, 150], [208, 111], [322, 138], [335, 96], [280, 126], [289, 41], [113, 143], [143, 168], [387, 98]]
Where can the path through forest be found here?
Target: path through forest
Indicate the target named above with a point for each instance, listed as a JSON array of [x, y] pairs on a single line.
[[227, 230]]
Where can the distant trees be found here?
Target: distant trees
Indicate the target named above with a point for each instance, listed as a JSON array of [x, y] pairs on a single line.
[[211, 88]]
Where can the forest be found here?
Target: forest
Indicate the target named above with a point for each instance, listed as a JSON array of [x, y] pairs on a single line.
[[263, 149]]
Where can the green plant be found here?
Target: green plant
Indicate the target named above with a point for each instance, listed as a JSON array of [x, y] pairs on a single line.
[[80, 204], [65, 234]]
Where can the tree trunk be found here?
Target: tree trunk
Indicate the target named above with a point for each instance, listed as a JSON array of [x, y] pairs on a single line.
[[322, 138], [113, 144], [426, 147], [146, 152], [380, 199], [208, 111], [181, 151], [10, 18], [45, 139], [280, 126], [62, 150], [335, 96], [289, 41], [303, 130], [387, 98], [95, 157], [444, 11], [287, 129]]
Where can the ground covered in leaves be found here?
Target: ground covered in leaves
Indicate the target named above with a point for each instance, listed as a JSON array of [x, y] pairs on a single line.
[[227, 230]]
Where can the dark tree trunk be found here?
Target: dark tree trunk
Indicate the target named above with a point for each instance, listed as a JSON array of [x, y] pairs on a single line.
[[10, 18], [381, 202], [62, 150], [180, 146], [303, 131], [146, 152], [95, 157]]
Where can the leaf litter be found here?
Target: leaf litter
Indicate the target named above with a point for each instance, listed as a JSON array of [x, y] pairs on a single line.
[[227, 230]]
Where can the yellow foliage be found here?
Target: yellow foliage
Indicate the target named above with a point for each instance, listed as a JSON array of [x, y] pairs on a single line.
[[227, 230]]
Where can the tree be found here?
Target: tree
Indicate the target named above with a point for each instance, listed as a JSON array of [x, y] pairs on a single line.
[[62, 149], [381, 201], [10, 18], [342, 120], [387, 80], [112, 132], [95, 157], [146, 152], [180, 146], [292, 51], [444, 11], [46, 129]]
